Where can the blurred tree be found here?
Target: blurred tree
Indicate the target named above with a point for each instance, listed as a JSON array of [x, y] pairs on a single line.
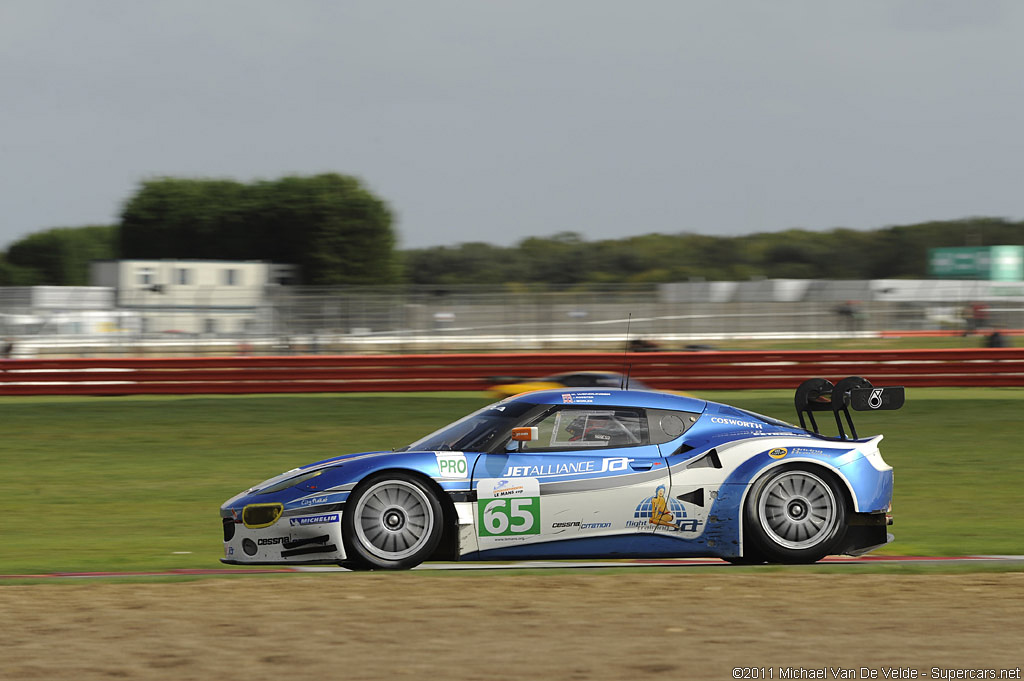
[[467, 263], [566, 258], [329, 225], [57, 257], [339, 233]]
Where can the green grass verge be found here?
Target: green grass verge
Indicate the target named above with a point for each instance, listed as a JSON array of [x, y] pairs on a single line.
[[135, 483]]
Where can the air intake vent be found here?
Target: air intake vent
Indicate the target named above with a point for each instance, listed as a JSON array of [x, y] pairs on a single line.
[[694, 497], [709, 460]]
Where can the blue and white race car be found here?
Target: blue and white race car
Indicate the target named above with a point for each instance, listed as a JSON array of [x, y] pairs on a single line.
[[586, 473]]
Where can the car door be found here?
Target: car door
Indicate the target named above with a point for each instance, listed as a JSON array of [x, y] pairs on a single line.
[[583, 479]]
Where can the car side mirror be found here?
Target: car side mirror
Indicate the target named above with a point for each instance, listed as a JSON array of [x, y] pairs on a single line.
[[525, 434], [521, 435]]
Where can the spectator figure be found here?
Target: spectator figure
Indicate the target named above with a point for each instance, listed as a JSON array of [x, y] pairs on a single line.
[[996, 340], [976, 316], [643, 345], [849, 315], [7, 349]]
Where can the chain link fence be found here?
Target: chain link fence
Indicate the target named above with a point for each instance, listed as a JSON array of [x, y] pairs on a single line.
[[275, 319]]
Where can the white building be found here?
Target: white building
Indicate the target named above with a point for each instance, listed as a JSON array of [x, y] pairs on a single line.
[[61, 310], [193, 296]]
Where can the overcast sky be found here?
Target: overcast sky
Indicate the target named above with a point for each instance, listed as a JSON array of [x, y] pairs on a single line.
[[493, 121]]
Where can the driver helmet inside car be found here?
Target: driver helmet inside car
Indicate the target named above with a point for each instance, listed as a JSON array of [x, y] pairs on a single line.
[[590, 427]]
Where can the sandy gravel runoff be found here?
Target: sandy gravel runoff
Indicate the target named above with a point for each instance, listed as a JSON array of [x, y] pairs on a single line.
[[484, 626]]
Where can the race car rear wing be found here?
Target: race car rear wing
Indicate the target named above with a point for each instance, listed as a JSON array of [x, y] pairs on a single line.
[[819, 394]]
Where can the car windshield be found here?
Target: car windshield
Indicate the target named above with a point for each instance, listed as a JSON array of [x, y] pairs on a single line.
[[475, 432]]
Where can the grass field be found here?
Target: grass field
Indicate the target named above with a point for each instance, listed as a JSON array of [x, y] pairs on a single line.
[[135, 483]]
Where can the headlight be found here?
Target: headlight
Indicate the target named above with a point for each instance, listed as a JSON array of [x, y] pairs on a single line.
[[261, 515], [290, 482]]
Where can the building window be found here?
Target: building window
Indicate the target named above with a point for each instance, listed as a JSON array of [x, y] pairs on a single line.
[[183, 276], [144, 276], [210, 325], [231, 277]]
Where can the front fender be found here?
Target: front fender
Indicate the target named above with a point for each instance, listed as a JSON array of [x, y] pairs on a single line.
[[450, 470]]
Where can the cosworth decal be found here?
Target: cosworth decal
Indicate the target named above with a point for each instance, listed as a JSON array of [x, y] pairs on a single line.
[[735, 422], [508, 508], [610, 465]]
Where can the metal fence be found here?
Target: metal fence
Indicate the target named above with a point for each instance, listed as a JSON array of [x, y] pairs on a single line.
[[74, 321]]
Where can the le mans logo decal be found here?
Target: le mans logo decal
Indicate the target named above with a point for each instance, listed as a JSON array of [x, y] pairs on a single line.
[[778, 452], [508, 509]]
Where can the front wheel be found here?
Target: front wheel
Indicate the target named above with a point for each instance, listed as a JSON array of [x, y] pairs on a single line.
[[392, 521], [794, 515]]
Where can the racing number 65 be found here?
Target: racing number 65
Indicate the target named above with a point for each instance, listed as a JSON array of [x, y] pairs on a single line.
[[517, 515]]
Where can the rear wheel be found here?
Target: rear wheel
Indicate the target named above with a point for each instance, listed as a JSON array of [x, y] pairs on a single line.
[[794, 515], [392, 521]]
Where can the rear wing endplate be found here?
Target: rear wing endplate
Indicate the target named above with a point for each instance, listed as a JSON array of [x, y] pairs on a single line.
[[819, 394]]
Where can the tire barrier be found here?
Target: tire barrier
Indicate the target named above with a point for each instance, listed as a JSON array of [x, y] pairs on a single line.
[[710, 370]]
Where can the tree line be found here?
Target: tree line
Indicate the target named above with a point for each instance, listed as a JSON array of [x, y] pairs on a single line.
[[567, 258], [330, 225], [338, 232]]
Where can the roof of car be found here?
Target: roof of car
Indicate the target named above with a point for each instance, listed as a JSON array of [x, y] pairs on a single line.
[[613, 397]]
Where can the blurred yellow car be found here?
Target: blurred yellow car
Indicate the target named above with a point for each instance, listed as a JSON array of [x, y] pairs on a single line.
[[575, 379]]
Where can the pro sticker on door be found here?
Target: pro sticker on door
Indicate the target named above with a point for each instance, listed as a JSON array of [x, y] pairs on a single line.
[[508, 507], [452, 464]]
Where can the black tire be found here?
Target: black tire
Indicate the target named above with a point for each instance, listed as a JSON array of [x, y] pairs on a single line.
[[392, 521], [794, 514]]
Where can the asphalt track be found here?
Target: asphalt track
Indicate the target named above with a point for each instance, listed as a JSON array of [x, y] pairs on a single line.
[[526, 565]]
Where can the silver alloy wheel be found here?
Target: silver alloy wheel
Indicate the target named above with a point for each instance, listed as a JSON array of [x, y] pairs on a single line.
[[393, 519], [797, 510]]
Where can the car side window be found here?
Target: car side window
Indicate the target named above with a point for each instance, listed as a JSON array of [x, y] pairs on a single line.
[[666, 425], [589, 428]]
